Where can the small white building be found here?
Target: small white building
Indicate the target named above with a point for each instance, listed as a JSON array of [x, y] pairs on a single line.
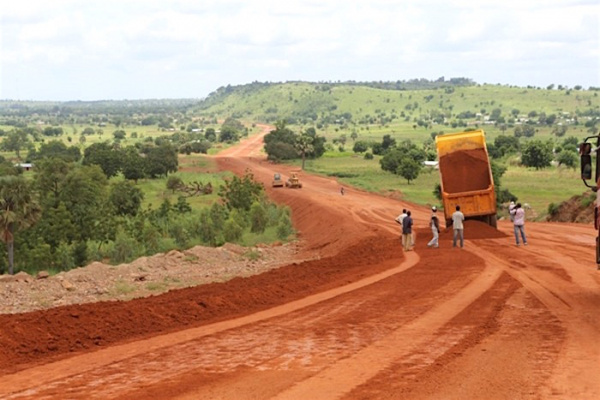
[[25, 166]]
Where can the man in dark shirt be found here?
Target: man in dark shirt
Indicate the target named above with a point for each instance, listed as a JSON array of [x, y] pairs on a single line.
[[407, 224]]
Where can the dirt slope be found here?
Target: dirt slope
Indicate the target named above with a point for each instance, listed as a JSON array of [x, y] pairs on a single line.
[[360, 321]]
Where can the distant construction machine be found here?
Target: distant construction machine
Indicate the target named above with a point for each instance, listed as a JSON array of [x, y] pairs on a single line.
[[277, 181], [586, 150], [466, 176], [293, 181]]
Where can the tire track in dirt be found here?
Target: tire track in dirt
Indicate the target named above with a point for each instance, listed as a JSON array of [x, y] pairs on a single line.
[[571, 295], [63, 370], [368, 362]]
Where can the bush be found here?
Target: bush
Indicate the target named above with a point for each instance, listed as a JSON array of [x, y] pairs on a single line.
[[553, 208], [63, 257], [125, 248], [258, 218], [181, 235], [284, 227], [588, 199], [232, 231], [368, 156], [360, 146]]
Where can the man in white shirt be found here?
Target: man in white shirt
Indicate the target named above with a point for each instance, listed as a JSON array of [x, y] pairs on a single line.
[[457, 224]]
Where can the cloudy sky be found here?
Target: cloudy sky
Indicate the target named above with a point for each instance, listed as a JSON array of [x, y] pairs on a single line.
[[129, 49]]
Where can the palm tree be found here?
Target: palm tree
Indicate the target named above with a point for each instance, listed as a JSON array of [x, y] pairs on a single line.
[[18, 210]]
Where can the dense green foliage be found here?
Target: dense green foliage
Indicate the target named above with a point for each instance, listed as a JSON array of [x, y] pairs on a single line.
[[84, 216], [283, 144]]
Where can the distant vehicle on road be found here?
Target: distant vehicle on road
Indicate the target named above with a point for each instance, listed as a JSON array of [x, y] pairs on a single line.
[[277, 181]]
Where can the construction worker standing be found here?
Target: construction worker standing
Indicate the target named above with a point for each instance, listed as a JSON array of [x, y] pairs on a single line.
[[435, 228], [407, 224]]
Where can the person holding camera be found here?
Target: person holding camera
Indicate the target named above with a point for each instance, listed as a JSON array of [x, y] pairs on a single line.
[[518, 215]]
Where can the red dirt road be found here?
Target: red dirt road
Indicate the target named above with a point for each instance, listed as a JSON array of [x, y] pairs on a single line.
[[361, 320]]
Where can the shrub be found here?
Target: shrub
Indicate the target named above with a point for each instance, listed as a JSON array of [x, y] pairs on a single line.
[[232, 231], [125, 248], [63, 257], [368, 156], [258, 218], [284, 227]]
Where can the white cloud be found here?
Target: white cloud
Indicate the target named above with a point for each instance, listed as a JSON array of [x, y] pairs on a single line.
[[181, 40]]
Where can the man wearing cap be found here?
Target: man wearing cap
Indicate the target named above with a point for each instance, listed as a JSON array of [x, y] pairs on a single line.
[[435, 228]]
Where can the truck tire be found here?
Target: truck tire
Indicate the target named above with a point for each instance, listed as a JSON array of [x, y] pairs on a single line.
[[493, 221], [448, 223]]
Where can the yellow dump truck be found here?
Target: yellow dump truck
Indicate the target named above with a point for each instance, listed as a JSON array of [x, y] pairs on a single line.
[[466, 176]]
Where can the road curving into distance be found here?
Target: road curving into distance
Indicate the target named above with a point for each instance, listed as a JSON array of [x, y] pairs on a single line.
[[354, 318]]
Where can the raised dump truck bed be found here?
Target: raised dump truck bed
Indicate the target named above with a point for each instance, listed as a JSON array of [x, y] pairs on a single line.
[[466, 176]]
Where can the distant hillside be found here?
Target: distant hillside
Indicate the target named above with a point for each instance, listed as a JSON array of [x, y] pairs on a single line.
[[410, 104]]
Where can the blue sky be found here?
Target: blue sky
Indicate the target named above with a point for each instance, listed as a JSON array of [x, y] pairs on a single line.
[[129, 49]]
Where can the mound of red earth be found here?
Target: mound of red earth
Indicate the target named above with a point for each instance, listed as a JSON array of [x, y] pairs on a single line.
[[576, 209], [40, 336], [473, 230], [470, 171]]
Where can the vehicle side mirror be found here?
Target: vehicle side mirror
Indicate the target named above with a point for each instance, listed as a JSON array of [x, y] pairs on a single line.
[[585, 150]]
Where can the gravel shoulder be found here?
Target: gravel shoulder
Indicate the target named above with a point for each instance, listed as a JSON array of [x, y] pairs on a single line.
[[146, 276]]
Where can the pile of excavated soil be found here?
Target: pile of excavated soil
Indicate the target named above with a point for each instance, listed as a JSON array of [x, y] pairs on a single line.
[[143, 277], [576, 209], [474, 229], [38, 336], [465, 171]]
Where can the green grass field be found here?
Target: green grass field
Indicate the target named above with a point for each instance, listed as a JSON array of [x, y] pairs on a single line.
[[536, 188]]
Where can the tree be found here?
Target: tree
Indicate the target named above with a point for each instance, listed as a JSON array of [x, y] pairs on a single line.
[[174, 183], [239, 193], [161, 160], [210, 135], [560, 130], [537, 154], [126, 198], [55, 149], [387, 142], [408, 169], [88, 131], [354, 136], [506, 144], [279, 143], [304, 145], [52, 131], [567, 158], [105, 156], [360, 147], [18, 210], [50, 174], [55, 226], [15, 141], [133, 164], [119, 134], [84, 192], [524, 130], [228, 134], [495, 115]]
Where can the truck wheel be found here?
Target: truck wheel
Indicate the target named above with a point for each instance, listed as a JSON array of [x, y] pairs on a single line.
[[493, 221], [448, 223]]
